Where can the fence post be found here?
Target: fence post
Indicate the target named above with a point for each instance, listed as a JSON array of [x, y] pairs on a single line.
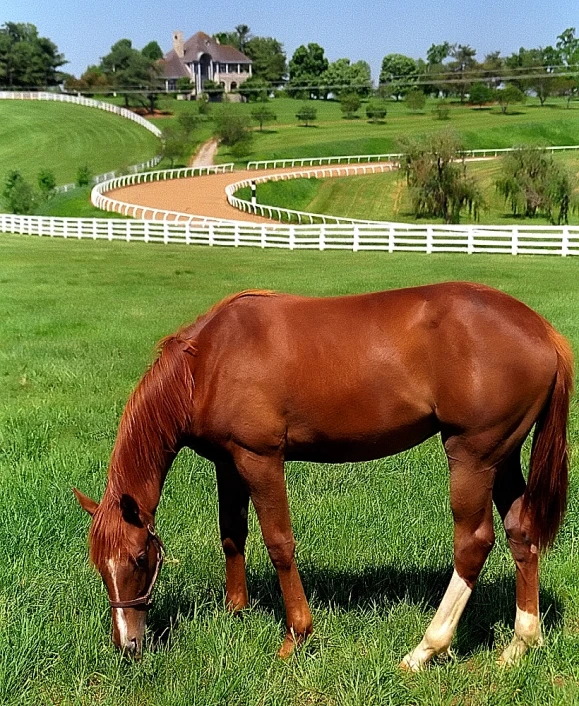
[[263, 236], [292, 237], [470, 241], [356, 242], [391, 239], [322, 240], [565, 242], [128, 235], [514, 241], [211, 233], [236, 234], [166, 232], [429, 240], [188, 233]]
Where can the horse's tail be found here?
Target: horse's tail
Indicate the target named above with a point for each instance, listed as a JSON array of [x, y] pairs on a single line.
[[545, 498]]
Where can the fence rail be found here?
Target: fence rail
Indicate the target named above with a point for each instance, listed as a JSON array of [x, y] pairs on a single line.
[[393, 237], [387, 157], [288, 214]]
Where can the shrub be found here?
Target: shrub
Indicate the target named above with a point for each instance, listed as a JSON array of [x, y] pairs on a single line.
[[83, 176], [262, 114], [350, 104], [46, 183], [231, 126], [415, 100], [307, 114], [442, 110], [376, 110], [19, 194]]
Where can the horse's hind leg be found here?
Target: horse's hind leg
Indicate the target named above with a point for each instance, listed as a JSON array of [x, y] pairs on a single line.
[[233, 505], [508, 495], [471, 501]]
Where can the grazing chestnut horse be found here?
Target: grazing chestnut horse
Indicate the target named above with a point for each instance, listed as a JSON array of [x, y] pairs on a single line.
[[264, 377]]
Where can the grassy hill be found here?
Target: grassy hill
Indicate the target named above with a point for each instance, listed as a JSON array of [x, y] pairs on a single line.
[[36, 134]]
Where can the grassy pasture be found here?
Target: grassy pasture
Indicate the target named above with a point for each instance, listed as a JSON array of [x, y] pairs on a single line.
[[385, 196], [332, 135], [37, 135], [79, 323]]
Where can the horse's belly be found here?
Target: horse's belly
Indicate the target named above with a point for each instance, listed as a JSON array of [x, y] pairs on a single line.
[[332, 447]]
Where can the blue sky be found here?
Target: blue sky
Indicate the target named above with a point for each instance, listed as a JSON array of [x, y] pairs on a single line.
[[84, 30]]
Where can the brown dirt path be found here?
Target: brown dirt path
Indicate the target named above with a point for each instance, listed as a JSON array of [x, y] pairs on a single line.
[[205, 155], [198, 196]]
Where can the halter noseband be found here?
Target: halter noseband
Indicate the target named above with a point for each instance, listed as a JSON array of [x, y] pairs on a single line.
[[146, 599]]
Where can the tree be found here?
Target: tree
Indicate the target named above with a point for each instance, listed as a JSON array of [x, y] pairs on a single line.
[[127, 69], [533, 184], [442, 110], [93, 80], [398, 73], [307, 114], [46, 183], [376, 110], [152, 51], [269, 59], [508, 95], [83, 175], [176, 144], [415, 100], [480, 94], [26, 59], [19, 194], [231, 126], [437, 178], [306, 68], [262, 114], [350, 104], [464, 62], [537, 68], [188, 123], [342, 76]]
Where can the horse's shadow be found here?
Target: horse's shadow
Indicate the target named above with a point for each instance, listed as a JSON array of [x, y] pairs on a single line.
[[374, 588]]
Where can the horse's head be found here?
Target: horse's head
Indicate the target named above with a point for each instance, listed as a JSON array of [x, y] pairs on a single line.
[[128, 555]]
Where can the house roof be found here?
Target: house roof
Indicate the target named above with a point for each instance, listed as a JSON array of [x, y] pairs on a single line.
[[173, 66]]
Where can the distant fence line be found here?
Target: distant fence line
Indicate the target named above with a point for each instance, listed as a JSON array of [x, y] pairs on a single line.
[[100, 105], [385, 157]]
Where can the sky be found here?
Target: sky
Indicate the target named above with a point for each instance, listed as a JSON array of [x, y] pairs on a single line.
[[84, 30]]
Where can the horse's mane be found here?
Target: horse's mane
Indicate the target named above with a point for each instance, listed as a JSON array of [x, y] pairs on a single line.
[[154, 419]]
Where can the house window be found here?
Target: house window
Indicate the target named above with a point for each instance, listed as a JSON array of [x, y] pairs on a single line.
[[223, 68], [244, 69]]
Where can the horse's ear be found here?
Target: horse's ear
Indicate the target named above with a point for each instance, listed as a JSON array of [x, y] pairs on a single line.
[[85, 502], [130, 510]]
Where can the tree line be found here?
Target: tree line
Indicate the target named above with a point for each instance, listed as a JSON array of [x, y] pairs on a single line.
[[449, 70]]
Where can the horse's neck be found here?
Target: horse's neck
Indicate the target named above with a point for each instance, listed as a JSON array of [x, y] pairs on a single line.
[[139, 474]]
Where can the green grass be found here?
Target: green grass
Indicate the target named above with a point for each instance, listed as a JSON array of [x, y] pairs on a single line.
[[37, 135], [385, 197], [73, 204], [332, 135], [79, 323]]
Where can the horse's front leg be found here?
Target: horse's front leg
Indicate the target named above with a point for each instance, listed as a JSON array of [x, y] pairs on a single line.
[[265, 478], [233, 504]]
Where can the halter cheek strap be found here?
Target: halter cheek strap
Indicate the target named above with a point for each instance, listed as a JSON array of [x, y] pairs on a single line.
[[146, 599]]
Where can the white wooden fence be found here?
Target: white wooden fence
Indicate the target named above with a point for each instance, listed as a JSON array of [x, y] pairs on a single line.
[[386, 157], [288, 214], [390, 237]]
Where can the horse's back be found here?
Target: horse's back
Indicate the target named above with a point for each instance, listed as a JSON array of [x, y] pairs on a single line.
[[367, 375]]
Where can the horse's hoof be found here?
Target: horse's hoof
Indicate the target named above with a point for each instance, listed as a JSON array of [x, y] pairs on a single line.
[[287, 648]]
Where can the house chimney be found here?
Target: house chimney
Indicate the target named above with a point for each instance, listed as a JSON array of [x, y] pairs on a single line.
[[178, 44]]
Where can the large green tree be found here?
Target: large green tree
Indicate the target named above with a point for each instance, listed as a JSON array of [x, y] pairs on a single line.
[[341, 76], [129, 70], [398, 74], [26, 59], [268, 57], [439, 184], [306, 69]]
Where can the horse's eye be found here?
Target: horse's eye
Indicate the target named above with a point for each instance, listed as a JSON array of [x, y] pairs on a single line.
[[141, 560]]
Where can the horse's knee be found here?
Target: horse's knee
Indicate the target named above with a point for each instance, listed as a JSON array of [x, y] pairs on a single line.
[[519, 535], [281, 552]]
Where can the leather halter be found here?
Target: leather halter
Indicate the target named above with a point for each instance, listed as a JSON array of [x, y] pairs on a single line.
[[146, 599]]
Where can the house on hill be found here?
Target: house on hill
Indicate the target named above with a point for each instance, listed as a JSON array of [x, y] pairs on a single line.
[[201, 58]]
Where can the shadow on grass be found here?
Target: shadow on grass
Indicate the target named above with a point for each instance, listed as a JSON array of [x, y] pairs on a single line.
[[373, 589]]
